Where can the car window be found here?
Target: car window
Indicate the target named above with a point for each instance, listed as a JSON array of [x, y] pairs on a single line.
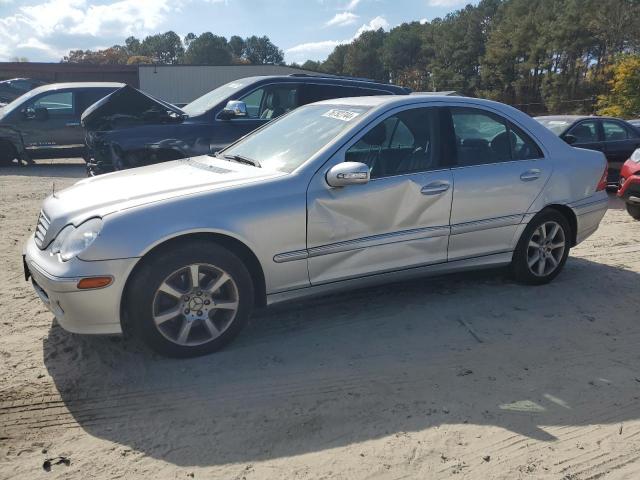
[[314, 92], [86, 98], [585, 132], [614, 131], [400, 144], [253, 102], [271, 101], [481, 137], [522, 146], [290, 141], [57, 104]]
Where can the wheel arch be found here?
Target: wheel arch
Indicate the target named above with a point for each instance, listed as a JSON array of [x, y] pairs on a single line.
[[233, 244], [6, 142], [571, 217]]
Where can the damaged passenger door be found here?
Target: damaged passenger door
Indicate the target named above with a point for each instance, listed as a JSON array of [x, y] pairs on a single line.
[[400, 218]]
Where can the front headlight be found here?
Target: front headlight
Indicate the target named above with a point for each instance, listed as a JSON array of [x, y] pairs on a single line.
[[635, 156], [72, 241]]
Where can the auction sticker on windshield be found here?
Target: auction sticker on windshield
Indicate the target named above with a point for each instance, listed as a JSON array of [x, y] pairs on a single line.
[[344, 115]]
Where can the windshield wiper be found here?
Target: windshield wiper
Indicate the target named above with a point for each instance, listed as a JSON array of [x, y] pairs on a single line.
[[242, 159]]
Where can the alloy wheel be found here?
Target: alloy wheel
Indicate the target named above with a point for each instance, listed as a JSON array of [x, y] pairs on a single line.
[[546, 248], [195, 304]]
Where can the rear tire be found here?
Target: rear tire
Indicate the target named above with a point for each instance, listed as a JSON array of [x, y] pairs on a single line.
[[633, 210], [190, 300], [542, 249]]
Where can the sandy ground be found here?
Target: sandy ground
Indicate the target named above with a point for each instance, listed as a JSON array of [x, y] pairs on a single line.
[[467, 376]]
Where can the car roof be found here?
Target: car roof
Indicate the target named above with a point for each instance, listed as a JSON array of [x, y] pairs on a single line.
[[326, 79], [60, 86], [375, 101]]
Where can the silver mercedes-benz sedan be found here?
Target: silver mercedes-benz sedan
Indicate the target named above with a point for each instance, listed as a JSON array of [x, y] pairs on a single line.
[[333, 195]]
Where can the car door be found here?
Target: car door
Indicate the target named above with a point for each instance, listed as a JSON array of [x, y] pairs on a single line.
[[264, 104], [499, 171], [586, 134], [50, 121], [399, 219], [619, 142]]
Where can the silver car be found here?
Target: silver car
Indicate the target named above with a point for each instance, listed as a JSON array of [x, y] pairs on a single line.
[[338, 194]]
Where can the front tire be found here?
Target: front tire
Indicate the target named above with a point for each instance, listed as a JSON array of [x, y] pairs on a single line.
[[633, 210], [190, 300], [542, 249], [7, 153]]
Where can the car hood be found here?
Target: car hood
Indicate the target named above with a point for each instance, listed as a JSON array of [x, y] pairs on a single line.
[[113, 192], [127, 106]]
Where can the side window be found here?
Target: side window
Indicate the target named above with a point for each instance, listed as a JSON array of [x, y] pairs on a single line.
[[522, 146], [253, 102], [585, 132], [315, 92], [614, 131], [86, 98], [272, 101], [57, 104], [400, 144], [481, 137]]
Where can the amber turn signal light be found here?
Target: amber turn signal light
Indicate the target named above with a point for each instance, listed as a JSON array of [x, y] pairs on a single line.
[[94, 282]]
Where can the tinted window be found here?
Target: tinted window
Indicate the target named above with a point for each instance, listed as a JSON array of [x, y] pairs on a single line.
[[315, 93], [86, 98], [288, 142], [400, 144], [614, 131], [480, 136], [57, 104], [585, 132]]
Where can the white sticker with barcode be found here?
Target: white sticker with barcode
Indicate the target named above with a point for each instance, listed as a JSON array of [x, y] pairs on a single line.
[[344, 115]]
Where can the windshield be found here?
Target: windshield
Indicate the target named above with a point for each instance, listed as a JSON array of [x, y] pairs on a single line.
[[293, 139], [209, 100], [556, 125]]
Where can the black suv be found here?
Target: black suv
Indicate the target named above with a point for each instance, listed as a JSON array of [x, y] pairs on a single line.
[[130, 128]]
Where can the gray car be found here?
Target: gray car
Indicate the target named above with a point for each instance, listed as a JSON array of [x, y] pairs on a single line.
[[45, 122], [334, 195]]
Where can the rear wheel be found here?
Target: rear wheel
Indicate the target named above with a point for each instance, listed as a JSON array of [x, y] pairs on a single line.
[[543, 248], [191, 300], [633, 210]]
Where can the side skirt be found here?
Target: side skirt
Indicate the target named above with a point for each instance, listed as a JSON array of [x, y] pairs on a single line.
[[476, 263]]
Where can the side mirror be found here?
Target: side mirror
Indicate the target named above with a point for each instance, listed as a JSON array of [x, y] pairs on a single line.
[[29, 113], [348, 173], [234, 109], [570, 139]]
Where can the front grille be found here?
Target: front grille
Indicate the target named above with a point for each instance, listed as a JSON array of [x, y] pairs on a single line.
[[41, 229]]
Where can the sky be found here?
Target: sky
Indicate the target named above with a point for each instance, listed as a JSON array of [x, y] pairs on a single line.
[[44, 31]]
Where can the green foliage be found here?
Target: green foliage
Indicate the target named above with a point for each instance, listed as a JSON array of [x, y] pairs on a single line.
[[260, 50], [624, 98], [540, 55], [169, 48], [208, 49]]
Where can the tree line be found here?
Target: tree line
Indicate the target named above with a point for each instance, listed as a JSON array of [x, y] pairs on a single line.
[[168, 48], [560, 56], [539, 55]]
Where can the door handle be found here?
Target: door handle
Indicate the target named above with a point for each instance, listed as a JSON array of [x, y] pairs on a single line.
[[530, 175], [72, 124], [435, 188]]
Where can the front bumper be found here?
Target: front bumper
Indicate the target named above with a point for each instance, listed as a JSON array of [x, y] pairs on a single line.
[[95, 311]]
